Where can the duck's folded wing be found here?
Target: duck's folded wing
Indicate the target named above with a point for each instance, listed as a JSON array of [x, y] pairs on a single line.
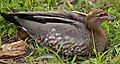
[[56, 34]]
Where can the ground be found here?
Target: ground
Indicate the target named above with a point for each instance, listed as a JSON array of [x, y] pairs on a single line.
[[110, 56]]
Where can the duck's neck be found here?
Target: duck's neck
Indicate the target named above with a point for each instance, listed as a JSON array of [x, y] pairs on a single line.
[[100, 37]]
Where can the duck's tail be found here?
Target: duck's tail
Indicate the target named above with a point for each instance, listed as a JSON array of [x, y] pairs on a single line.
[[9, 17]]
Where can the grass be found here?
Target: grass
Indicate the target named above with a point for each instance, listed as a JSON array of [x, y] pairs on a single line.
[[110, 56]]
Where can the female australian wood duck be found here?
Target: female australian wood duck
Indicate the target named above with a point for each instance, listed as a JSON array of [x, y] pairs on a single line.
[[73, 33]]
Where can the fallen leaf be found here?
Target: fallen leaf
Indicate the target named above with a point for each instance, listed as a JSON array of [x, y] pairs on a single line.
[[15, 49]]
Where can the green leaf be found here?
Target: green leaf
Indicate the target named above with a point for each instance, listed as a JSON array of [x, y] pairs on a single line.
[[53, 3], [11, 31]]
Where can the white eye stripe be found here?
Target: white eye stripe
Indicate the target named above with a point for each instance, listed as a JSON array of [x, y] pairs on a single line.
[[102, 14]]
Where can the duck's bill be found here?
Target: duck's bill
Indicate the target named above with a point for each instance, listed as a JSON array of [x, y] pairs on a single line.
[[110, 17]]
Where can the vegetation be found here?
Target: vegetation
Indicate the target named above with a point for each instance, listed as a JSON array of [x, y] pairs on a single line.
[[110, 56]]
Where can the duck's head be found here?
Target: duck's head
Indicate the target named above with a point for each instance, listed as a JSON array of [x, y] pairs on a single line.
[[96, 17]]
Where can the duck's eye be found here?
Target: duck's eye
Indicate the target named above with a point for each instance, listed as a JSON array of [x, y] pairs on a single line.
[[102, 14]]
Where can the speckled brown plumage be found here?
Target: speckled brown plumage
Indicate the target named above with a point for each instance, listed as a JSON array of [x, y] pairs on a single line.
[[72, 32]]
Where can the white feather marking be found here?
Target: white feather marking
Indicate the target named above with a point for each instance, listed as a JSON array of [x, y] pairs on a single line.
[[51, 37]]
